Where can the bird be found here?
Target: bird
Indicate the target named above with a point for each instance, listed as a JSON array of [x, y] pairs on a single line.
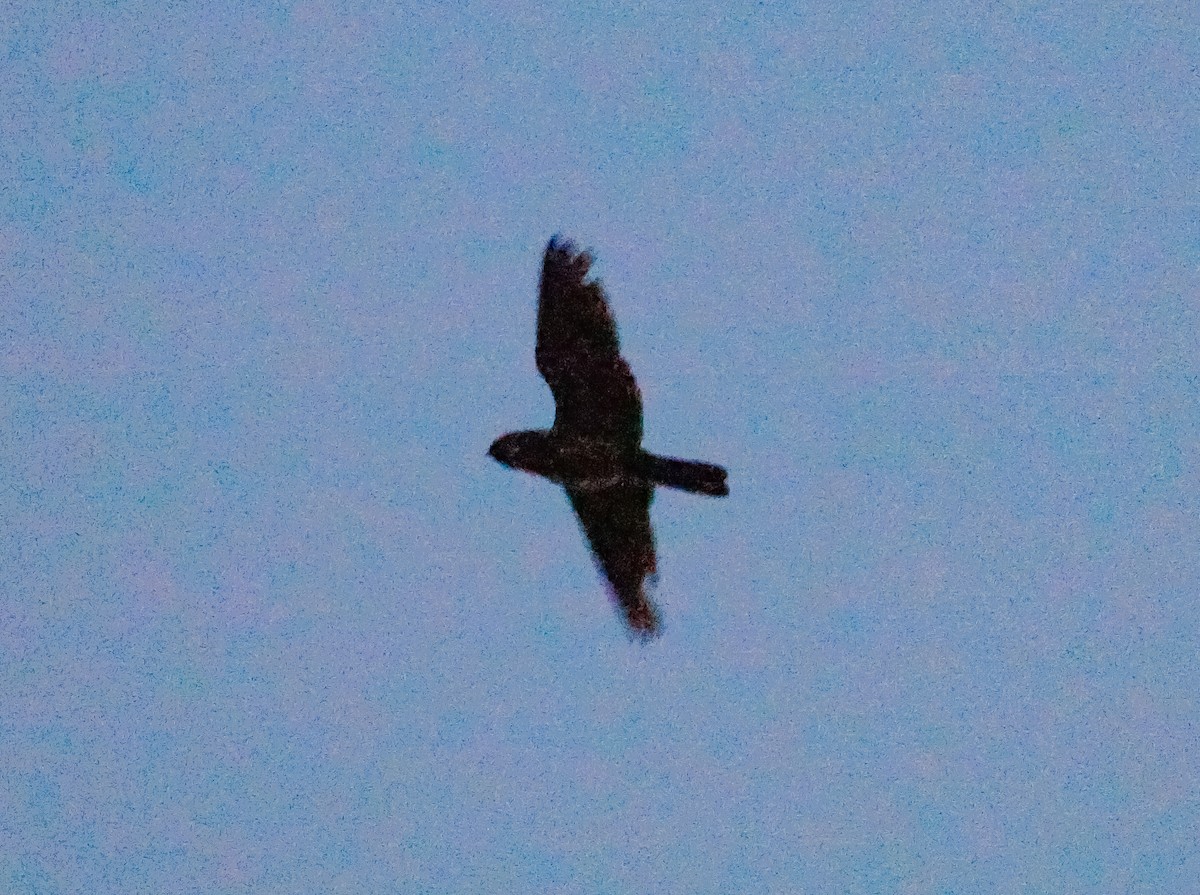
[[594, 449]]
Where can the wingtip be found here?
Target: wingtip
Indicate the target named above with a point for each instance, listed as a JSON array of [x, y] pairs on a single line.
[[645, 630], [642, 620], [562, 254]]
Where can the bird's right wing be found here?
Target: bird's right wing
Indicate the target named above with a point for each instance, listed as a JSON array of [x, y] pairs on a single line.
[[616, 521], [578, 353]]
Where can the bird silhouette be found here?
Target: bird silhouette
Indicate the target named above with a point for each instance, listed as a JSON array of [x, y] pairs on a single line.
[[594, 449]]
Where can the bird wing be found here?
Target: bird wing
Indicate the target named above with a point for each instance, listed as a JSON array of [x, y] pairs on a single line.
[[578, 353], [616, 521]]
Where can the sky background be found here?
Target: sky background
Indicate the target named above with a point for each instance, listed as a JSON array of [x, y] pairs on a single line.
[[927, 282]]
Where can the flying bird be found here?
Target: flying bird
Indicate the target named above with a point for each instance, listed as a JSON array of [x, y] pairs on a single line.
[[594, 450]]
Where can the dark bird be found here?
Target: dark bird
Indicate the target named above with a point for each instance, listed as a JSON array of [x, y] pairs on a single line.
[[594, 449]]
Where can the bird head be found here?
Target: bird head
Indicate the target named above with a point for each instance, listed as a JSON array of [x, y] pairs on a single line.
[[519, 450]]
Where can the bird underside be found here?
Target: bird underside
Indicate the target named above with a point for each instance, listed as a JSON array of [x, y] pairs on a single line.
[[590, 464]]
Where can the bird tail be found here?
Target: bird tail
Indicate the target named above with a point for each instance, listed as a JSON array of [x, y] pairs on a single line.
[[686, 475]]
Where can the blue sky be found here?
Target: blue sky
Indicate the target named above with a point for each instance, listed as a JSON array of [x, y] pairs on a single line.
[[925, 281]]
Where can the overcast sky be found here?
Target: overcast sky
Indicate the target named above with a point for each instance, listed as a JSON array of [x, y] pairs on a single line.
[[928, 283]]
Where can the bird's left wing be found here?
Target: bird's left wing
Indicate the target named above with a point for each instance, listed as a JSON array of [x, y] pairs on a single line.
[[616, 521], [578, 353]]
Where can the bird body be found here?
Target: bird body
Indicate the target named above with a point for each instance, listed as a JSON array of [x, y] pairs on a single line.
[[586, 463], [591, 463], [594, 448]]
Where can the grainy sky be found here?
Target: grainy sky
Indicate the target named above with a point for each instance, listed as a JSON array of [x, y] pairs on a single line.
[[926, 280]]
